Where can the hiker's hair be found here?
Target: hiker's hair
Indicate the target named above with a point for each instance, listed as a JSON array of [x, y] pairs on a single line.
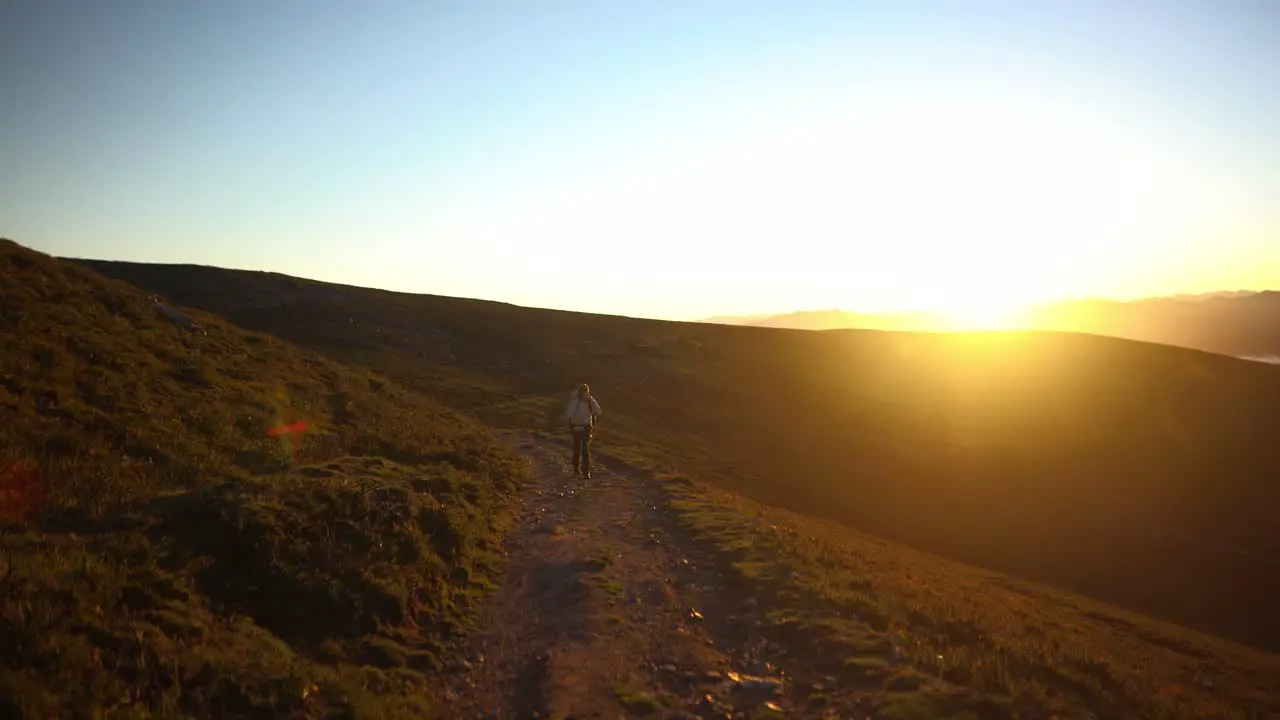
[[584, 389]]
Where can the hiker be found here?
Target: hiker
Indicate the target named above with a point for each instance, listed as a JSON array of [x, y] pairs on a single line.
[[582, 413]]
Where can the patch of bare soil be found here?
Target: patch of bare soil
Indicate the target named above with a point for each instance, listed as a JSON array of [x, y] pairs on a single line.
[[592, 620]]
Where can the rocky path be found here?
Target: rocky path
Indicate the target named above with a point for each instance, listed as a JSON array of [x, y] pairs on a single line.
[[601, 613]]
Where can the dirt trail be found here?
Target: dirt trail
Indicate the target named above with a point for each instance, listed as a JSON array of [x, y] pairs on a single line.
[[600, 614]]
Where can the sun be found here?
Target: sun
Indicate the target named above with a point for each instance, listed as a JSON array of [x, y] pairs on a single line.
[[985, 314]]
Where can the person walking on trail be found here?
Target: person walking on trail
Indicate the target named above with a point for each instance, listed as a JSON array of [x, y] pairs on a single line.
[[582, 413]]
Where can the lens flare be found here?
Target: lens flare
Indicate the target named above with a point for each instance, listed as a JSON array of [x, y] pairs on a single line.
[[287, 428]]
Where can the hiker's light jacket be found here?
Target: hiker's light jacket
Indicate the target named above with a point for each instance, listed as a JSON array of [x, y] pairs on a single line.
[[582, 412]]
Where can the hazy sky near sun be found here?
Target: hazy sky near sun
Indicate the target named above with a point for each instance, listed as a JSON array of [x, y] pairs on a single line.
[[676, 158]]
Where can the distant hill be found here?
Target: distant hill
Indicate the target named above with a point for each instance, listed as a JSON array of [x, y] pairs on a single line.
[[1242, 323], [736, 319], [1134, 472], [840, 319], [1229, 323]]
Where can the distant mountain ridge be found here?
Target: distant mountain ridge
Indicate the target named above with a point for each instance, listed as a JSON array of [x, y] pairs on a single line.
[[1240, 322]]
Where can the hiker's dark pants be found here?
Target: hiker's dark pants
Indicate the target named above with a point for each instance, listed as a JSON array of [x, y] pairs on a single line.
[[582, 450]]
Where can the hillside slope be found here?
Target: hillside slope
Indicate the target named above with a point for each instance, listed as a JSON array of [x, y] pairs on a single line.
[[642, 594], [166, 550], [1135, 473], [1243, 324]]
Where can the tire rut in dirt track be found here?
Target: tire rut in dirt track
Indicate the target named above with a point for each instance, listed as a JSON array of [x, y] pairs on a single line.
[[591, 620]]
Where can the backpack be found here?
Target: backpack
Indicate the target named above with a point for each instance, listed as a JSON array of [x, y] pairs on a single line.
[[590, 422]]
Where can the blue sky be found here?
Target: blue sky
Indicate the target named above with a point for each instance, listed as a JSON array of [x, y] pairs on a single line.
[[665, 159]]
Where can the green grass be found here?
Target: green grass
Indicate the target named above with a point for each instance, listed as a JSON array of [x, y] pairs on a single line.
[[606, 558], [161, 555], [642, 703], [883, 617]]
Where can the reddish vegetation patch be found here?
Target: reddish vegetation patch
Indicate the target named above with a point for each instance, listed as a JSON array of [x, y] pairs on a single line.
[[296, 428], [21, 491]]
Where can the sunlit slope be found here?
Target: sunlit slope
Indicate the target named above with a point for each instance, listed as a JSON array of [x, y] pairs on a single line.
[[1138, 473]]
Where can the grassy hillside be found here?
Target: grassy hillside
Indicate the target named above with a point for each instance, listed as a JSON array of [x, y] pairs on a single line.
[[1135, 473], [166, 551], [853, 606]]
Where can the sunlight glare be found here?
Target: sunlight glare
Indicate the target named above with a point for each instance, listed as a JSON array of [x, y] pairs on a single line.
[[987, 314], [968, 205]]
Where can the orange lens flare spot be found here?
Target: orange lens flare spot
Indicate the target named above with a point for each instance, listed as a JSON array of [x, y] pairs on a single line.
[[296, 428]]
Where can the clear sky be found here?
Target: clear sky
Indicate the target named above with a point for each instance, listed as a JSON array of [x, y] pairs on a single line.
[[672, 159]]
